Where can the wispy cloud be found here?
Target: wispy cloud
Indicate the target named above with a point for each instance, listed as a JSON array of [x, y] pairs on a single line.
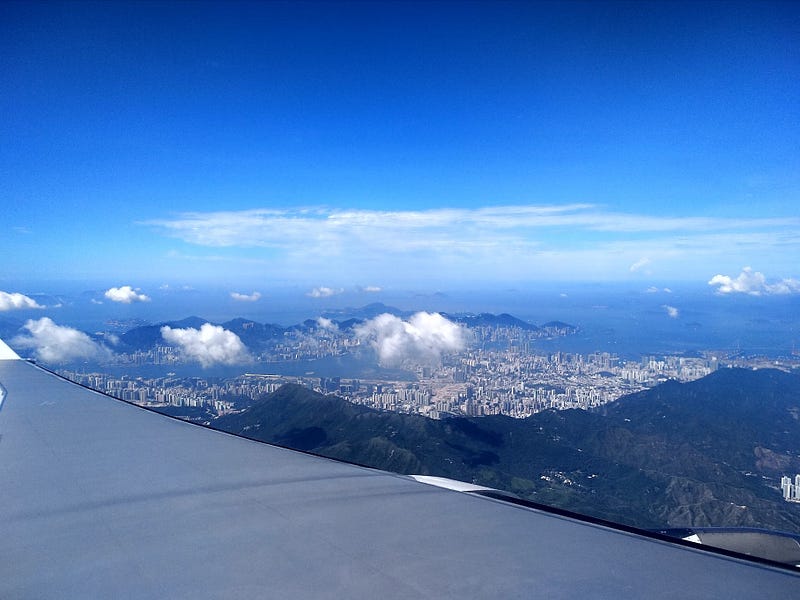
[[639, 265], [422, 339], [17, 301], [53, 343], [209, 345], [166, 287], [324, 292], [501, 242], [125, 295], [371, 289], [285, 228], [279, 228], [246, 297], [753, 283]]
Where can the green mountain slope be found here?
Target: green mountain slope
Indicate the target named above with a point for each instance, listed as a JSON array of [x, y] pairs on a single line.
[[706, 453]]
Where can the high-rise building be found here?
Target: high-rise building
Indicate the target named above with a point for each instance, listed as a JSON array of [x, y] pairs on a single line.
[[786, 487], [791, 491]]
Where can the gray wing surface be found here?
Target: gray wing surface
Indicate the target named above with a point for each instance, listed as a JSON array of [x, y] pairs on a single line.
[[101, 499]]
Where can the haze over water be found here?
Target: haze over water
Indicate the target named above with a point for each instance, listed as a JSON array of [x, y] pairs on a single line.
[[620, 319]]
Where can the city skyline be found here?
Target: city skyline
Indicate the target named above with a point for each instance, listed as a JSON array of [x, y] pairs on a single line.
[[370, 146]]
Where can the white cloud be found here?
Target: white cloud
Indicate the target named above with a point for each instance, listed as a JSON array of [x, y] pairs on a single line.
[[784, 286], [320, 225], [95, 301], [170, 288], [125, 294], [673, 312], [209, 345], [753, 283], [639, 264], [556, 242], [16, 301], [423, 339], [372, 289], [56, 343], [654, 290], [324, 292], [324, 323], [246, 297]]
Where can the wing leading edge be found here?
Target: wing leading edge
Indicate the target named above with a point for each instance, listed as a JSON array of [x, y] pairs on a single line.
[[100, 498]]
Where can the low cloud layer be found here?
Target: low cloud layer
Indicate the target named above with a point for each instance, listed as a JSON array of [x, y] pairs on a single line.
[[423, 339], [53, 343], [209, 345], [16, 301], [372, 289], [246, 297], [327, 324], [324, 292], [125, 295], [671, 311], [753, 283]]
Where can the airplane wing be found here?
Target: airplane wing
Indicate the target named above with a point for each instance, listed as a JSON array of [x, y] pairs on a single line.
[[100, 499]]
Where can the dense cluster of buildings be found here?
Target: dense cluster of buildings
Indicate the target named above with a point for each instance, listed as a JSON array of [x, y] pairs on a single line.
[[791, 491], [474, 383], [518, 384], [219, 396], [500, 373]]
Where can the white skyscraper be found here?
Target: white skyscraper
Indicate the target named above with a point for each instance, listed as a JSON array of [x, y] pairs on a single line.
[[786, 487], [791, 491]]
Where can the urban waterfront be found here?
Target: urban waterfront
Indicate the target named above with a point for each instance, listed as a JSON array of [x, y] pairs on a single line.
[[515, 381]]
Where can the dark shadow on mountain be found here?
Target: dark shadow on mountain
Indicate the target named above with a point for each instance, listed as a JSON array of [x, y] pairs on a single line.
[[706, 453]]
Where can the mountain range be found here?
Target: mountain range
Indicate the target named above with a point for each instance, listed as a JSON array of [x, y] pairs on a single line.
[[705, 453], [256, 335]]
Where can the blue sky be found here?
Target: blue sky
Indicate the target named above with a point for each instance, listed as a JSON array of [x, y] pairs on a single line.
[[392, 145]]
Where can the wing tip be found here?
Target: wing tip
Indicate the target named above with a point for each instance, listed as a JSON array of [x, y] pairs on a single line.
[[7, 353]]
